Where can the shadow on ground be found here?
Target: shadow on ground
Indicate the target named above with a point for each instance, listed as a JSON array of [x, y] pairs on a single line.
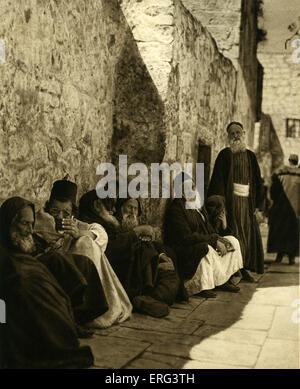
[[226, 333]]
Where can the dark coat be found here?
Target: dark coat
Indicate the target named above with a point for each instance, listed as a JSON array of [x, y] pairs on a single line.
[[40, 330], [283, 216], [136, 263], [189, 235], [221, 183]]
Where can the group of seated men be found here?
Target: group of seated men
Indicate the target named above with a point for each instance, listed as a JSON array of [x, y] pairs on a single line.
[[67, 269]]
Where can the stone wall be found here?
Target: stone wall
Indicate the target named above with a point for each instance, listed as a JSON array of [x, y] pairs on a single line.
[[200, 89], [281, 97], [222, 18], [57, 89], [73, 86], [87, 81], [233, 25]]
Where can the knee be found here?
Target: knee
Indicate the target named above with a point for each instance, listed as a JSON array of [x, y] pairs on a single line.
[[84, 243], [235, 242], [83, 246]]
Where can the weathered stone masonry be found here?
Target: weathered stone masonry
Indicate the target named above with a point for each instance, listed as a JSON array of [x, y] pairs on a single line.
[[86, 81], [281, 100]]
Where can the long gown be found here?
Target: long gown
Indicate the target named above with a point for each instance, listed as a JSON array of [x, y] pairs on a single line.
[[119, 306], [190, 234], [40, 329], [241, 168]]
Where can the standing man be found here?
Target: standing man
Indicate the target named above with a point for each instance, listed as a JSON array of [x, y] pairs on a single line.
[[285, 211], [236, 177]]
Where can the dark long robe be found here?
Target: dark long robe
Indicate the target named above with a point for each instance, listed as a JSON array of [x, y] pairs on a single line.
[[222, 184], [135, 262], [284, 213], [40, 329], [189, 235]]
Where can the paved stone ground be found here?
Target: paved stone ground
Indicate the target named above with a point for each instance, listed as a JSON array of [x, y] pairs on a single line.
[[253, 329]]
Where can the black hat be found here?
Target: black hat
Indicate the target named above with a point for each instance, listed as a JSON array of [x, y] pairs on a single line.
[[293, 158], [64, 190], [234, 123]]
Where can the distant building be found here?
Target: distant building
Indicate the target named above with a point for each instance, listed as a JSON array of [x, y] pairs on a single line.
[[281, 104]]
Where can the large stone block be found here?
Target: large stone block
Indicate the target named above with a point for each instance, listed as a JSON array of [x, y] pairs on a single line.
[[212, 350], [279, 354], [113, 353]]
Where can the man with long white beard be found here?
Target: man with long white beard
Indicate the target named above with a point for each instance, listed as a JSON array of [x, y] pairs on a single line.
[[21, 233], [236, 177]]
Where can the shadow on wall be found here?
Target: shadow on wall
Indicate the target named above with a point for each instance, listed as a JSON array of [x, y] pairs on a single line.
[[138, 119], [251, 68]]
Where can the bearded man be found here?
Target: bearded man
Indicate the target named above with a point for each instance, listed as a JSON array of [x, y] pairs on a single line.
[[40, 329], [236, 177], [58, 226], [143, 265]]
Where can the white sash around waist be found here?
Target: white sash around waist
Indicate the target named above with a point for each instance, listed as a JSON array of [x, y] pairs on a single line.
[[241, 190]]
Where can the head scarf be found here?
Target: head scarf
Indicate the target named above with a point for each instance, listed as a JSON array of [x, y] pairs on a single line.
[[214, 205], [87, 211], [8, 211], [88, 214], [86, 208]]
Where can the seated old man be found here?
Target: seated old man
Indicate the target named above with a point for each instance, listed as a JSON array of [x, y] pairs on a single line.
[[143, 266], [40, 329], [56, 224], [205, 260]]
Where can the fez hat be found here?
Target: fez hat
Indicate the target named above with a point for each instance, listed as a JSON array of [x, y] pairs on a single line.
[[64, 190], [293, 158]]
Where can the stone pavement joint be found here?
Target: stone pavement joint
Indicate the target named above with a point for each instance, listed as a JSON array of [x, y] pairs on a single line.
[[250, 329]]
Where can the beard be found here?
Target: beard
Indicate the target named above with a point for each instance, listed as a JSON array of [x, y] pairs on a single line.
[[194, 202], [25, 244], [238, 145], [129, 222]]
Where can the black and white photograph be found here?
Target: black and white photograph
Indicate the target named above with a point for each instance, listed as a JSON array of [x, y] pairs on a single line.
[[150, 187]]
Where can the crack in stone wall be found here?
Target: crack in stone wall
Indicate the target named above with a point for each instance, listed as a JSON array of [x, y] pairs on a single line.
[[87, 81]]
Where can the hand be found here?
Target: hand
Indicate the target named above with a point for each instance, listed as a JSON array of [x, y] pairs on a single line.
[[258, 215], [166, 262], [144, 230], [228, 244], [70, 226], [165, 258], [221, 248], [106, 215], [222, 217]]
